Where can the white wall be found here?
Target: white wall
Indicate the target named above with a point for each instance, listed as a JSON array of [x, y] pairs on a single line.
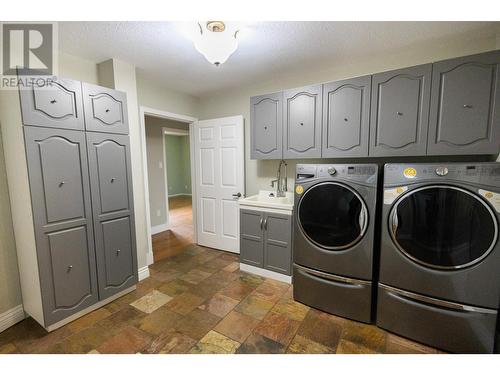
[[237, 101]]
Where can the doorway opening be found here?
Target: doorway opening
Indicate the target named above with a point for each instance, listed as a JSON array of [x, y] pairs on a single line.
[[169, 184]]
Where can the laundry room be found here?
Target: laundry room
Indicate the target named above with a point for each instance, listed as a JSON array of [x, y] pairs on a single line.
[[328, 189]]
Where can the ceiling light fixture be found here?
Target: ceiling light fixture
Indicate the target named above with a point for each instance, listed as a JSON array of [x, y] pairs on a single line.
[[216, 41]]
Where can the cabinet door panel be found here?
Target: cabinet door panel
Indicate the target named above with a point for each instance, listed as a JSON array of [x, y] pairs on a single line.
[[70, 264], [56, 105], [464, 119], [266, 126], [112, 198], [399, 112], [346, 117], [105, 109], [62, 218], [277, 243], [118, 255], [251, 238], [302, 122]]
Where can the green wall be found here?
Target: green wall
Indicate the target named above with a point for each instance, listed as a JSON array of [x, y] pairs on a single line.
[[178, 164]]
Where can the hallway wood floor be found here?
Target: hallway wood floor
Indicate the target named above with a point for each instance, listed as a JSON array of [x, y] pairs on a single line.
[[173, 241]]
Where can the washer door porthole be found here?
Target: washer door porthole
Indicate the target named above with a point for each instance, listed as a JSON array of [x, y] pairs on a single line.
[[332, 216], [443, 227]]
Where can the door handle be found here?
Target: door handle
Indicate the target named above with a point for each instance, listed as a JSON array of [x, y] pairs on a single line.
[[237, 195]]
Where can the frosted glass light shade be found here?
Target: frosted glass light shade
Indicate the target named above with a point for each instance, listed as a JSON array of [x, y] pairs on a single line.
[[216, 46]]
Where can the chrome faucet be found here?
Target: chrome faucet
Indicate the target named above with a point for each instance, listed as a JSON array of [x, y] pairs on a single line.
[[281, 181]]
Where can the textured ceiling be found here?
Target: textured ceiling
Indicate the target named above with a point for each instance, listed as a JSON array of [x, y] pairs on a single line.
[[162, 52]]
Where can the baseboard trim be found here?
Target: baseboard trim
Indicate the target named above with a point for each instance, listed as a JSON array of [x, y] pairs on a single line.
[[143, 273], [265, 273], [11, 317], [159, 228]]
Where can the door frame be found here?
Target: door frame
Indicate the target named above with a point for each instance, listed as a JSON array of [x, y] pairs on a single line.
[[175, 132], [143, 111]]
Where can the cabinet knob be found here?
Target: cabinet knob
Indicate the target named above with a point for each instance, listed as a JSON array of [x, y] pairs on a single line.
[[265, 127], [107, 110], [61, 183], [70, 267], [345, 119], [301, 124], [467, 106], [113, 179], [118, 252], [399, 113], [53, 101]]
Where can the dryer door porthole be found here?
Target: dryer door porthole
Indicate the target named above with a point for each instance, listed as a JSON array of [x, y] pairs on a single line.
[[443, 227], [332, 216]]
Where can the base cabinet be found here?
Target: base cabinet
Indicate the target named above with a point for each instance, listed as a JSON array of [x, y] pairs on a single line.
[[266, 240]]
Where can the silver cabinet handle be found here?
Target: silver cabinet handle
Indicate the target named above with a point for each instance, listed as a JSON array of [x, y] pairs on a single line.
[[467, 106], [61, 183], [113, 179], [107, 110], [265, 224], [261, 222], [70, 267], [118, 252], [53, 101], [399, 113]]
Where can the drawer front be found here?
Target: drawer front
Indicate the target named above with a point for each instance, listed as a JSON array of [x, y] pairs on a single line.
[[347, 298], [105, 110], [118, 271], [445, 328], [71, 285], [58, 105]]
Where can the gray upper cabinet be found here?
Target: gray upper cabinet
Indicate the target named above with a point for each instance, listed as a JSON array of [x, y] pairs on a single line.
[[112, 202], [278, 243], [62, 216], [400, 112], [251, 237], [346, 117], [302, 122], [105, 109], [58, 105], [266, 126], [464, 116]]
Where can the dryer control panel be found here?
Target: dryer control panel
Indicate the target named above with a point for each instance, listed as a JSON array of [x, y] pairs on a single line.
[[359, 172]]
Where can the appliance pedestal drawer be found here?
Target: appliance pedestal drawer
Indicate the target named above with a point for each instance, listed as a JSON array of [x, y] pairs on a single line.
[[445, 325], [349, 298]]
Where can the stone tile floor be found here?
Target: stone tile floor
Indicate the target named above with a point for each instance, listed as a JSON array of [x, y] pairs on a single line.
[[199, 302]]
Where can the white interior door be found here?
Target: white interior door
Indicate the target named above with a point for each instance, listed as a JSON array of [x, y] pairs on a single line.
[[219, 164]]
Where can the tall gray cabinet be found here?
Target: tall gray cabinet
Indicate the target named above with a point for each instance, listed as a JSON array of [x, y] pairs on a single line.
[[78, 161]]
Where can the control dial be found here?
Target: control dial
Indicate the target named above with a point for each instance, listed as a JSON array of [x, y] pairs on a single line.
[[441, 171], [331, 171]]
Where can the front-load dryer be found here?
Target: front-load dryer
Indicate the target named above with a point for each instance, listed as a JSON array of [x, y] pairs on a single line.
[[333, 237], [440, 255]]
